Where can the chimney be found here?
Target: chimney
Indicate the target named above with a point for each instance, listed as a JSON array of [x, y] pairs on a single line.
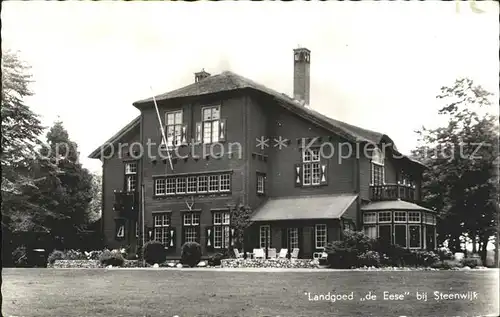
[[200, 75], [301, 74]]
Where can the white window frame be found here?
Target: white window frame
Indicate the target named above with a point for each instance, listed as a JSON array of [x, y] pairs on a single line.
[[419, 236], [398, 213], [367, 233], [210, 127], [225, 183], [260, 183], [190, 222], [262, 238], [131, 175], [170, 186], [175, 138], [161, 227], [292, 240], [384, 213], [192, 180], [367, 217], [216, 185], [377, 159], [178, 189], [221, 222], [202, 179], [406, 233], [414, 213], [311, 159], [158, 186], [320, 231]]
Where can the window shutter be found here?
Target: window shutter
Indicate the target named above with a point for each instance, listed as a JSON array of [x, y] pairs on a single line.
[[183, 134], [209, 236], [324, 173], [198, 234], [232, 237], [222, 130], [198, 132], [298, 175], [171, 239], [183, 235]]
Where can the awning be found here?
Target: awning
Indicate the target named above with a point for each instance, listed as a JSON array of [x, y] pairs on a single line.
[[310, 207], [394, 205]]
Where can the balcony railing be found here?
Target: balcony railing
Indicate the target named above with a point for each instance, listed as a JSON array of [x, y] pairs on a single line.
[[392, 192], [126, 204]]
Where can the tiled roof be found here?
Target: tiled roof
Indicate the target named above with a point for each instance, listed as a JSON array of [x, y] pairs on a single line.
[[393, 205], [310, 207], [115, 138]]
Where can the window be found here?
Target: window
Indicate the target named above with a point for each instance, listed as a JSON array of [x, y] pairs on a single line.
[[170, 186], [210, 117], [371, 231], [191, 184], [385, 234], [400, 216], [131, 176], [159, 186], [191, 226], [414, 216], [311, 170], [400, 235], [384, 216], [221, 220], [180, 187], [137, 229], [174, 127], [321, 236], [120, 231], [213, 183], [414, 234], [369, 217], [377, 167], [161, 228], [225, 182], [264, 237], [202, 184], [293, 238], [260, 183]]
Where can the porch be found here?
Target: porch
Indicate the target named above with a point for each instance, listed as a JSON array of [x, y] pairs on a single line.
[[303, 223]]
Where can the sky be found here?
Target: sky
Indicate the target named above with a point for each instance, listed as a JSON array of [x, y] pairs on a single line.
[[378, 65]]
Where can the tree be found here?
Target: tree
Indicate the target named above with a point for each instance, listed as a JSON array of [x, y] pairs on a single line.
[[241, 221], [95, 206], [460, 182]]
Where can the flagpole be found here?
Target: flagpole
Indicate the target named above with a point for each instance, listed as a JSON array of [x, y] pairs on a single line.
[[164, 139]]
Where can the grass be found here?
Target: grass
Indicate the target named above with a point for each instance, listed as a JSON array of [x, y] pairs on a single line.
[[122, 292]]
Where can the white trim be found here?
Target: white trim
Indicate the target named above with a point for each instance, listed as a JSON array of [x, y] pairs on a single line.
[[400, 221], [414, 221], [370, 213], [267, 241], [316, 227], [384, 212]]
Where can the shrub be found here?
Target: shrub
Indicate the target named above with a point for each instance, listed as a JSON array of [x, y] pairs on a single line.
[[369, 258], [426, 258], [111, 258], [93, 255], [344, 254], [191, 253], [55, 255], [215, 259], [154, 253], [471, 262], [447, 264], [20, 256], [445, 254], [74, 255], [391, 255]]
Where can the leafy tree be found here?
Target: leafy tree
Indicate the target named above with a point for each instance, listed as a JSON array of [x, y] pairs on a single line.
[[95, 206], [460, 182], [240, 221]]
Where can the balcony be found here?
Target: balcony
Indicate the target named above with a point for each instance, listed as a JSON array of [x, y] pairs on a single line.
[[126, 204], [393, 192]]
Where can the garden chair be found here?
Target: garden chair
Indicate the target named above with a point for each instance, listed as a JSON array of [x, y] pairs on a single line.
[[271, 253], [237, 254], [258, 254], [283, 253], [295, 253]]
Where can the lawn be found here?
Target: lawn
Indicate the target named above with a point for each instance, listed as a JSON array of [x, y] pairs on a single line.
[[122, 292]]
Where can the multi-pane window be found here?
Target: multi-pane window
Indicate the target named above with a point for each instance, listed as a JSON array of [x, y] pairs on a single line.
[[311, 170], [293, 238], [369, 217], [221, 221], [160, 186], [191, 221], [320, 236], [202, 184], [264, 237], [196, 184], [191, 184], [180, 185], [170, 186], [384, 216], [414, 216], [377, 167], [174, 127], [161, 222], [131, 176], [213, 183], [260, 183], [371, 231], [211, 117], [400, 216]]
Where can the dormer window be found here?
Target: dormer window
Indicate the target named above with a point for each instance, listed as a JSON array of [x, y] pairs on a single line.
[[377, 167]]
